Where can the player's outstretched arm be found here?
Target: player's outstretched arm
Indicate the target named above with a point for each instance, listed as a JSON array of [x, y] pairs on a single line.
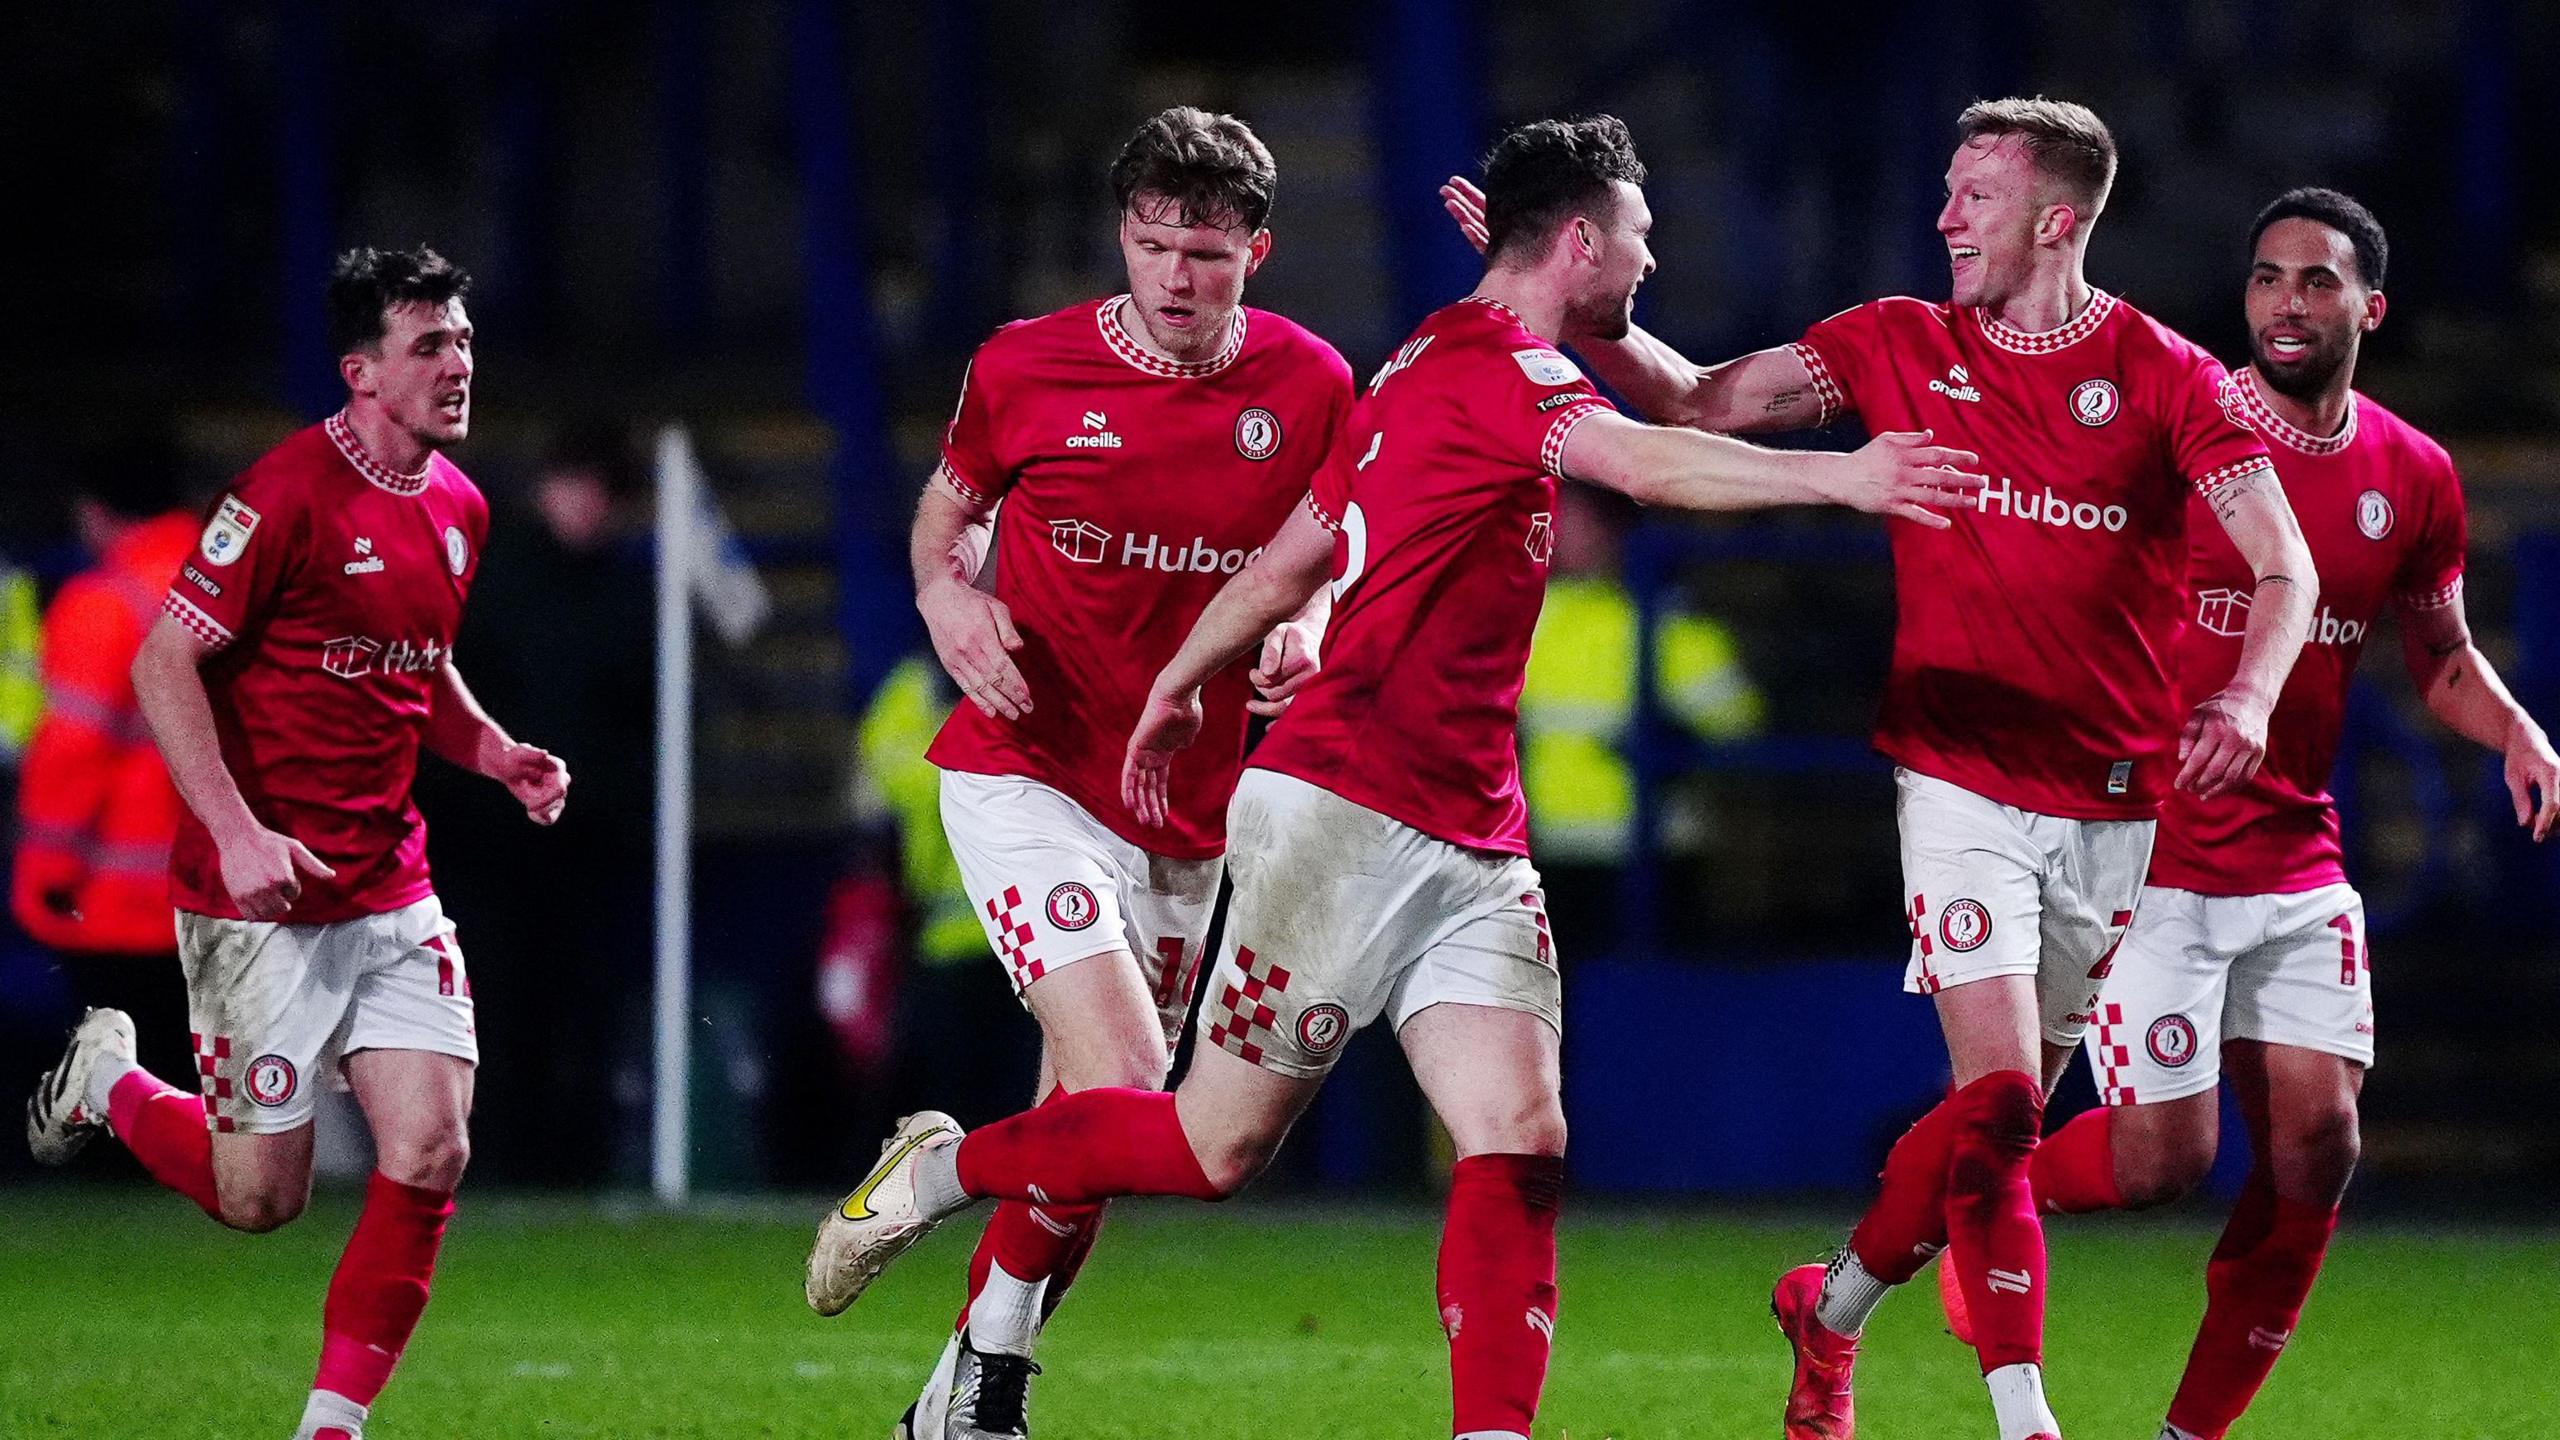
[[462, 733], [1762, 393], [2464, 691], [1291, 655], [972, 631], [1280, 582], [261, 868], [1898, 473], [2225, 740]]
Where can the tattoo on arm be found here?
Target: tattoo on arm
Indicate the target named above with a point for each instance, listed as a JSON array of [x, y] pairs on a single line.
[[1784, 400]]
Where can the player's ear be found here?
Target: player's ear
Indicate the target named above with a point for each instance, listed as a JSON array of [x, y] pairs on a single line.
[[1586, 238], [355, 368], [2374, 306], [2056, 224], [1257, 250]]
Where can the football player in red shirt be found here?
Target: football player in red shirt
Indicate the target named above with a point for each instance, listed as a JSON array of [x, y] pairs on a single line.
[[304, 654], [2029, 709], [2248, 955], [1142, 448], [1381, 861]]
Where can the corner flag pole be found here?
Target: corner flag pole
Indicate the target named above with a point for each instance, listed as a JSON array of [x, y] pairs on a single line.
[[670, 1119]]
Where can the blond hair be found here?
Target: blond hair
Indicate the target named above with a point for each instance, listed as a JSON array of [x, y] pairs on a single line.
[[2068, 143]]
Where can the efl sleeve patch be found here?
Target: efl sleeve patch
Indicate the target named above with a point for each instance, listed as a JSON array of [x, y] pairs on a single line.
[[227, 534], [1546, 367]]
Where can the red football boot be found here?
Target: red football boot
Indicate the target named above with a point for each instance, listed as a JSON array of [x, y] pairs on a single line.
[[1819, 1406]]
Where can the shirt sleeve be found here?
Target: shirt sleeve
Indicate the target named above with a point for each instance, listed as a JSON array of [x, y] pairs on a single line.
[[1834, 352], [2210, 442], [1327, 490], [229, 583], [974, 467], [1537, 397], [2431, 573]]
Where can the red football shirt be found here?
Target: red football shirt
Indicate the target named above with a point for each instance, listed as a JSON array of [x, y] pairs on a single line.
[[332, 586], [2031, 654], [1442, 492], [2382, 511], [1133, 488]]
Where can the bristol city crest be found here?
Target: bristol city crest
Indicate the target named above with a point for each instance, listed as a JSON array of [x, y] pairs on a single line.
[[2373, 514], [1964, 925], [2172, 1040], [270, 1080], [1072, 906], [1257, 434], [457, 551], [1323, 1028], [2093, 402]]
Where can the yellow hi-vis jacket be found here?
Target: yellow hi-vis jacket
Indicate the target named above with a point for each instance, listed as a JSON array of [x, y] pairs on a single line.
[[897, 780], [1578, 709]]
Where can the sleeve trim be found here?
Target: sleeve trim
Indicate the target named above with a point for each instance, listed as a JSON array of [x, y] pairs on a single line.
[[967, 493], [1551, 449], [204, 627], [1826, 389], [1316, 508], [2213, 482], [2436, 599]]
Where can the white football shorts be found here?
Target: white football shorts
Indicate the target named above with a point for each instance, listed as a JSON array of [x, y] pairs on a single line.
[[1342, 915], [276, 1007], [1053, 886], [2199, 969], [1990, 889]]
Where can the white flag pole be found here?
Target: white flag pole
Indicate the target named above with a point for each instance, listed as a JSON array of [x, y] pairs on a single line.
[[670, 1128]]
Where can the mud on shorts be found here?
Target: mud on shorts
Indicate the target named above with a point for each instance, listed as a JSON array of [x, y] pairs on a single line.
[[1342, 915], [275, 1007], [1052, 886], [1990, 889], [2199, 969]]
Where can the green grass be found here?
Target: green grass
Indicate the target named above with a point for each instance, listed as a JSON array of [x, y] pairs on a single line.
[[126, 1315]]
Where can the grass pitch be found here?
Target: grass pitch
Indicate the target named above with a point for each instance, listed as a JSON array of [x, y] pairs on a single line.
[[124, 1314]]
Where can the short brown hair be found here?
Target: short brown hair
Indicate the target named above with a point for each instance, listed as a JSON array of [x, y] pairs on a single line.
[[1207, 169], [2068, 143]]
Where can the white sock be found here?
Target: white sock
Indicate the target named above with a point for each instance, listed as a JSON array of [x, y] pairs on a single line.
[[1849, 1295], [103, 1075], [2172, 1432], [326, 1408], [1004, 1318], [938, 1191], [2017, 1399]]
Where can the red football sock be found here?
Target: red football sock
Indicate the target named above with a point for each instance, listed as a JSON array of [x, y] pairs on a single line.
[[2255, 1286], [1997, 1241], [1908, 1221], [1032, 1242], [164, 1128], [380, 1287], [1083, 1148], [2074, 1171], [1498, 1287]]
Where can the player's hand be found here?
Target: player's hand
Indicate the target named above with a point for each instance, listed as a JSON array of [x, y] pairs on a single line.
[[1289, 661], [1166, 725], [1900, 473], [973, 636], [537, 778], [2531, 767], [263, 871], [2224, 743], [1465, 204]]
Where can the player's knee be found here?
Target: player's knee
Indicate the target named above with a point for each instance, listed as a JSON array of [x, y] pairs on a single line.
[[433, 1161], [1533, 1127], [258, 1211], [2166, 1166], [2321, 1149], [1235, 1162]]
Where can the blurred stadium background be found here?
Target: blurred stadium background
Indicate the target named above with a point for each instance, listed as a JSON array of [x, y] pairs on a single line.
[[782, 227]]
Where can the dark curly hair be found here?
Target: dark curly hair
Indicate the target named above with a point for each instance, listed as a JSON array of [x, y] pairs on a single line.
[[1200, 168], [1541, 174], [367, 283], [2340, 212]]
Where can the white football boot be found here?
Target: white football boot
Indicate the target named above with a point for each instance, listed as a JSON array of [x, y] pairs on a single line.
[[973, 1395], [59, 1120], [879, 1220], [929, 1418]]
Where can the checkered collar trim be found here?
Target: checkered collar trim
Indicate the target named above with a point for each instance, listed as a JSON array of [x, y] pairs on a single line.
[[1126, 346], [2046, 342], [343, 435], [2263, 417], [1497, 306]]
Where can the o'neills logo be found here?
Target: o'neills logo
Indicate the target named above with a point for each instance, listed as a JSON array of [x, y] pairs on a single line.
[[2002, 497]]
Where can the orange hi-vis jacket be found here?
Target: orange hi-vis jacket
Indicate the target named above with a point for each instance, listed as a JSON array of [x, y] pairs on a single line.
[[95, 807]]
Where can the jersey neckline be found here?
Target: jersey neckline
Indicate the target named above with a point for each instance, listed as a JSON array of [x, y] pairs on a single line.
[[343, 435], [2262, 414], [2046, 342], [1139, 357]]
